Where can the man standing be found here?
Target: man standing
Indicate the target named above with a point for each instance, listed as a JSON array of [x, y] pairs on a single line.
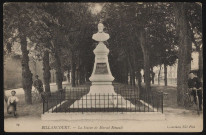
[[38, 84], [195, 84]]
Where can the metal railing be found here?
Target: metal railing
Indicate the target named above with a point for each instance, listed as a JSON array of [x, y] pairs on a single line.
[[126, 100]]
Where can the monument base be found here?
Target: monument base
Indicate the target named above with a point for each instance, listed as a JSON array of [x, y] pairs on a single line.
[[103, 101], [102, 88]]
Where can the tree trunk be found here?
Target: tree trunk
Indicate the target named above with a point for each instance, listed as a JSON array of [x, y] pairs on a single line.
[[26, 72], [133, 77], [153, 75], [73, 68], [158, 78], [84, 75], [81, 78], [126, 72], [131, 69], [77, 76], [139, 78], [184, 53], [59, 77], [200, 63], [5, 97], [53, 77], [146, 60], [165, 74], [68, 75], [46, 72], [87, 75], [77, 69], [35, 73], [130, 77]]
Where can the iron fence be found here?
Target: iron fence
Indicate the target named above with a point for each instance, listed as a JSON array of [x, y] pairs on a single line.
[[126, 100]]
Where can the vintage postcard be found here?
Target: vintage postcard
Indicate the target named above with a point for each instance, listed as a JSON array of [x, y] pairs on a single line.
[[103, 67]]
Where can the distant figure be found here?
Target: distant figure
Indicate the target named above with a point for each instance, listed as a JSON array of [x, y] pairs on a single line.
[[12, 102], [144, 78], [152, 76], [139, 76], [68, 77], [38, 84], [195, 84]]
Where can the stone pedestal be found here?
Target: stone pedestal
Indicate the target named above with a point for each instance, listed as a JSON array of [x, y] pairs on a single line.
[[102, 94], [101, 77]]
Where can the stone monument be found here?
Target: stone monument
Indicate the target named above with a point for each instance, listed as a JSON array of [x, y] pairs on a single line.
[[101, 98], [101, 79]]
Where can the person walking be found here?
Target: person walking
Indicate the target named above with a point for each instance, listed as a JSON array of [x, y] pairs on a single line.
[[38, 85]]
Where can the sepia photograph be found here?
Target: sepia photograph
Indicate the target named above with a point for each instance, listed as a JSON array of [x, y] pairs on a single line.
[[103, 67]]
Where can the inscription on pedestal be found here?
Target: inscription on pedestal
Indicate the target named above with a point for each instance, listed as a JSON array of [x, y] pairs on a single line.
[[101, 68]]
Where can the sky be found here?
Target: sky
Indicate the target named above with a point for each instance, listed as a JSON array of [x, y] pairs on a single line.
[[96, 8]]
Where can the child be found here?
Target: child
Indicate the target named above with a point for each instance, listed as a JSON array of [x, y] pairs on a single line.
[[12, 101]]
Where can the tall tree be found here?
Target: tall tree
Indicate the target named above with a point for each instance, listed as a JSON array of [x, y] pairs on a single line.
[[42, 34], [46, 71], [184, 53], [189, 30], [17, 20]]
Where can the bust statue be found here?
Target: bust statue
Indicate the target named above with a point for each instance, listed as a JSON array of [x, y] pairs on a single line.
[[100, 36]]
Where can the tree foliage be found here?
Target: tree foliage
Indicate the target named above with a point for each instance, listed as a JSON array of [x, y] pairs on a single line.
[[142, 35]]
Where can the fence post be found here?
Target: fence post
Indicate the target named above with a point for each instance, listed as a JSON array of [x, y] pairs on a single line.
[[117, 102], [60, 107], [135, 100], [86, 101], [95, 102], [69, 105], [162, 101], [148, 101], [82, 99], [144, 101], [99, 102], [56, 104], [104, 102], [153, 102], [121, 103], [130, 101], [91, 101], [43, 106], [113, 102], [108, 101], [126, 100], [139, 103], [47, 101]]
